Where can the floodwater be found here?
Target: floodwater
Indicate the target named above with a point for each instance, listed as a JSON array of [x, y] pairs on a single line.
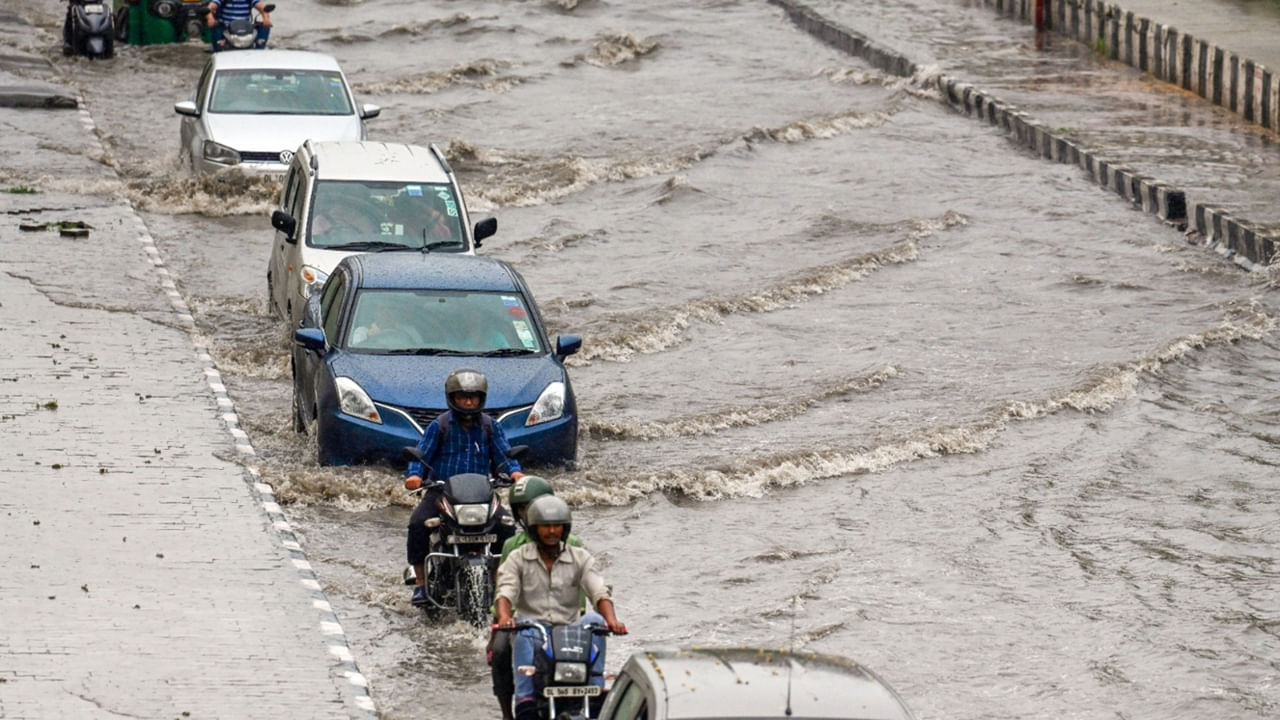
[[858, 376]]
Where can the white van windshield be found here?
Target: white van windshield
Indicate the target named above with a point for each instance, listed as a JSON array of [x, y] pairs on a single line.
[[347, 214]]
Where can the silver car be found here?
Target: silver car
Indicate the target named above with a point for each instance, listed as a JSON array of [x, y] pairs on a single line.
[[253, 108]]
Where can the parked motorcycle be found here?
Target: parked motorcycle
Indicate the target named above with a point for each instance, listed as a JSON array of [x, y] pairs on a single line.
[[245, 34], [460, 568], [562, 670], [88, 30]]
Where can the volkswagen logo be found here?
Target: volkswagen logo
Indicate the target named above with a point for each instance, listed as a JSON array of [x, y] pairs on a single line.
[[286, 156]]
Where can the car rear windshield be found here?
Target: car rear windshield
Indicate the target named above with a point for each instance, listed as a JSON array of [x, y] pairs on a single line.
[[280, 92], [433, 322], [416, 215]]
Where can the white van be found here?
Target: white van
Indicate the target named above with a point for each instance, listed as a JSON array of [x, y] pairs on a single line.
[[345, 197]]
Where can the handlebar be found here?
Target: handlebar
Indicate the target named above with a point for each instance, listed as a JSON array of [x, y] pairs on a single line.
[[593, 628]]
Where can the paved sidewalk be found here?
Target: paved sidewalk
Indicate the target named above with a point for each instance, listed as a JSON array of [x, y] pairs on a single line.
[[146, 574], [1201, 166]]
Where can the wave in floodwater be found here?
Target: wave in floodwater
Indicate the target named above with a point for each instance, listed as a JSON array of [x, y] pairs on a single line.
[[657, 329], [757, 475], [522, 180], [615, 49], [229, 192], [755, 414], [482, 74]]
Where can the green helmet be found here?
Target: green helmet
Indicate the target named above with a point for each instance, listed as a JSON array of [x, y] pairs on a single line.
[[525, 490]]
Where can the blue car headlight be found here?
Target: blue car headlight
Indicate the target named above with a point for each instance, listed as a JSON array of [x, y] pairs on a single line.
[[354, 401], [550, 405], [219, 153]]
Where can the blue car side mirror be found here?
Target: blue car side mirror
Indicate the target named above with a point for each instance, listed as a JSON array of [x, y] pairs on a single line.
[[568, 344], [309, 338]]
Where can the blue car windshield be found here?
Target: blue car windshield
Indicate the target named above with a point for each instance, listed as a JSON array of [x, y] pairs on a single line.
[[432, 322], [365, 216], [280, 92]]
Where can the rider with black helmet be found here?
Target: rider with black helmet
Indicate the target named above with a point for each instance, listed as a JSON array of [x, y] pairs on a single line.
[[542, 580], [462, 439]]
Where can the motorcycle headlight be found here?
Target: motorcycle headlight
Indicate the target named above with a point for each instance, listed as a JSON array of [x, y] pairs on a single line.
[[571, 673], [550, 405], [240, 42], [312, 280], [354, 401], [219, 153], [471, 515]]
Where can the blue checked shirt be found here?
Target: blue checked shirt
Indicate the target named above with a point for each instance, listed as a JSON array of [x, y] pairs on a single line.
[[463, 451]]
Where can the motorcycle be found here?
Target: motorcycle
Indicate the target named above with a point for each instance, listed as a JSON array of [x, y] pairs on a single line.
[[562, 670], [245, 34], [461, 565], [88, 30]]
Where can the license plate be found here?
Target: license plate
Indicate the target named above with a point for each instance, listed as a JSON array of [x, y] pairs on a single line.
[[571, 691], [95, 8], [463, 539]]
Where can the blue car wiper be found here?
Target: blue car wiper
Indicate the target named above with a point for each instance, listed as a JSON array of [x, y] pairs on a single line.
[[428, 351], [507, 352]]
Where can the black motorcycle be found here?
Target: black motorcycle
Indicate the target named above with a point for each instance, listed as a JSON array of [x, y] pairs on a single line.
[[461, 566], [562, 669], [88, 30]]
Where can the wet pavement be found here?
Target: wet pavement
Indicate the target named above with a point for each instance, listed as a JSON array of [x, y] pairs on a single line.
[[148, 573]]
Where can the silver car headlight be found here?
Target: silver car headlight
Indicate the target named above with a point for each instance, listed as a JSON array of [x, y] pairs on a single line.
[[550, 405], [571, 673], [219, 153], [471, 515], [312, 280], [354, 401]]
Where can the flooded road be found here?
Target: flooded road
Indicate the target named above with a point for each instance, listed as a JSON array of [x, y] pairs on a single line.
[[849, 360]]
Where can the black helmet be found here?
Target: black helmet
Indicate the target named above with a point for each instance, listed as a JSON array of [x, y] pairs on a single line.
[[525, 491], [468, 381], [549, 510]]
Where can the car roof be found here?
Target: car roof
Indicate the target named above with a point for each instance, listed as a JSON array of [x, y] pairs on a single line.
[[410, 270], [380, 161], [260, 59], [756, 683]]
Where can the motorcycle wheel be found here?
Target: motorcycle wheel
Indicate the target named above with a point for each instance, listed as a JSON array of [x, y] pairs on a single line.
[[475, 594], [435, 584]]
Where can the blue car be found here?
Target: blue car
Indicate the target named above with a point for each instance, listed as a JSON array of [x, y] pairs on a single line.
[[374, 347]]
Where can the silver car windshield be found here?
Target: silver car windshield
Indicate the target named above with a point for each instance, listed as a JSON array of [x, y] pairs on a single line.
[[280, 92], [367, 216], [429, 322]]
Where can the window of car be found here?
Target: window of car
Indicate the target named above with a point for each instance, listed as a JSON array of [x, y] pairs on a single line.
[[202, 86], [632, 704], [436, 322], [331, 304], [280, 92], [290, 201], [410, 214]]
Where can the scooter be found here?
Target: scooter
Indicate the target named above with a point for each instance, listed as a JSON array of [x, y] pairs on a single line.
[[245, 34], [88, 30], [460, 568], [561, 670]]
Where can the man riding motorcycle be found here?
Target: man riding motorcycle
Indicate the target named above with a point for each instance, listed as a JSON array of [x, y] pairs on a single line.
[[525, 491], [542, 581], [463, 439], [225, 11]]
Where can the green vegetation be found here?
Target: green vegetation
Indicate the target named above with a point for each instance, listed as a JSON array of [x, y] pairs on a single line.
[[22, 190]]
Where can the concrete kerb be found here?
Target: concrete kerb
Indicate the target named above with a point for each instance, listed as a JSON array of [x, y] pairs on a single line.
[[1232, 237], [355, 686]]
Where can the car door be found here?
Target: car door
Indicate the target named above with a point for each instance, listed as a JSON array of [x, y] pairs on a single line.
[[190, 128], [314, 379], [283, 279]]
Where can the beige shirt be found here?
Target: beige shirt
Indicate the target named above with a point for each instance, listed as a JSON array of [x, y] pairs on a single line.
[[537, 594]]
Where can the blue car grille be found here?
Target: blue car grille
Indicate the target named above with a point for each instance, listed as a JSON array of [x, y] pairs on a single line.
[[424, 416]]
